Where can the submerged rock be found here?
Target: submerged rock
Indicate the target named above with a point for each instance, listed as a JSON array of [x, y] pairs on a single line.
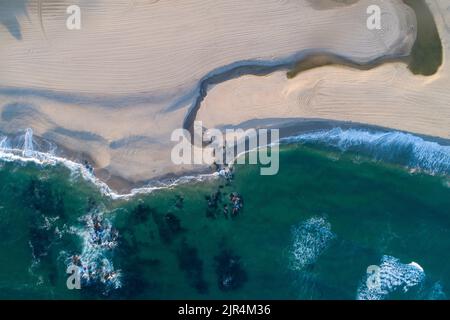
[[192, 265], [141, 213], [174, 223], [169, 226], [231, 275]]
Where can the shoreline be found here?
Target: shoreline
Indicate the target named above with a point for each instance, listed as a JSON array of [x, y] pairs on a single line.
[[119, 188], [137, 152], [313, 59]]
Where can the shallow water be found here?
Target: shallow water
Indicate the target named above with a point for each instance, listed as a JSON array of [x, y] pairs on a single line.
[[309, 232]]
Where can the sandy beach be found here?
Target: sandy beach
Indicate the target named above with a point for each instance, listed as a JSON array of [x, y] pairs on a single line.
[[115, 90], [388, 95]]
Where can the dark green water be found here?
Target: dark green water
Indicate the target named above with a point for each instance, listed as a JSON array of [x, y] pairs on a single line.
[[426, 54], [338, 213]]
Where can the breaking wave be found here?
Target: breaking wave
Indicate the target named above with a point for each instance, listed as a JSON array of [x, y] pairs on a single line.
[[394, 146], [398, 147], [24, 149], [310, 239], [95, 261], [392, 276]]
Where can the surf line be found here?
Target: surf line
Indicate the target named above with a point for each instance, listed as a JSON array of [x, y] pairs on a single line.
[[27, 154]]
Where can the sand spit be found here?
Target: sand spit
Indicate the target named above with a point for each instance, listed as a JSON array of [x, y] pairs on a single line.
[[388, 95], [116, 89]]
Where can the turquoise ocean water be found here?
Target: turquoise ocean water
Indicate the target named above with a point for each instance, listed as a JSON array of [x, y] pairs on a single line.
[[342, 201]]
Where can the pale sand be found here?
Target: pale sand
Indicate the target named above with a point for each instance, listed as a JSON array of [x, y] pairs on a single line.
[[112, 90], [388, 96]]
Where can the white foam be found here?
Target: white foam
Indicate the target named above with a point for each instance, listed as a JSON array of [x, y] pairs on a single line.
[[420, 154], [393, 275], [96, 251], [418, 266], [28, 148], [405, 148], [3, 143], [27, 154], [310, 239]]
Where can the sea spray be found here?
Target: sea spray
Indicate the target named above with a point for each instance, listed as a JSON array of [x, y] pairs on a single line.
[[95, 261], [28, 148], [3, 143]]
